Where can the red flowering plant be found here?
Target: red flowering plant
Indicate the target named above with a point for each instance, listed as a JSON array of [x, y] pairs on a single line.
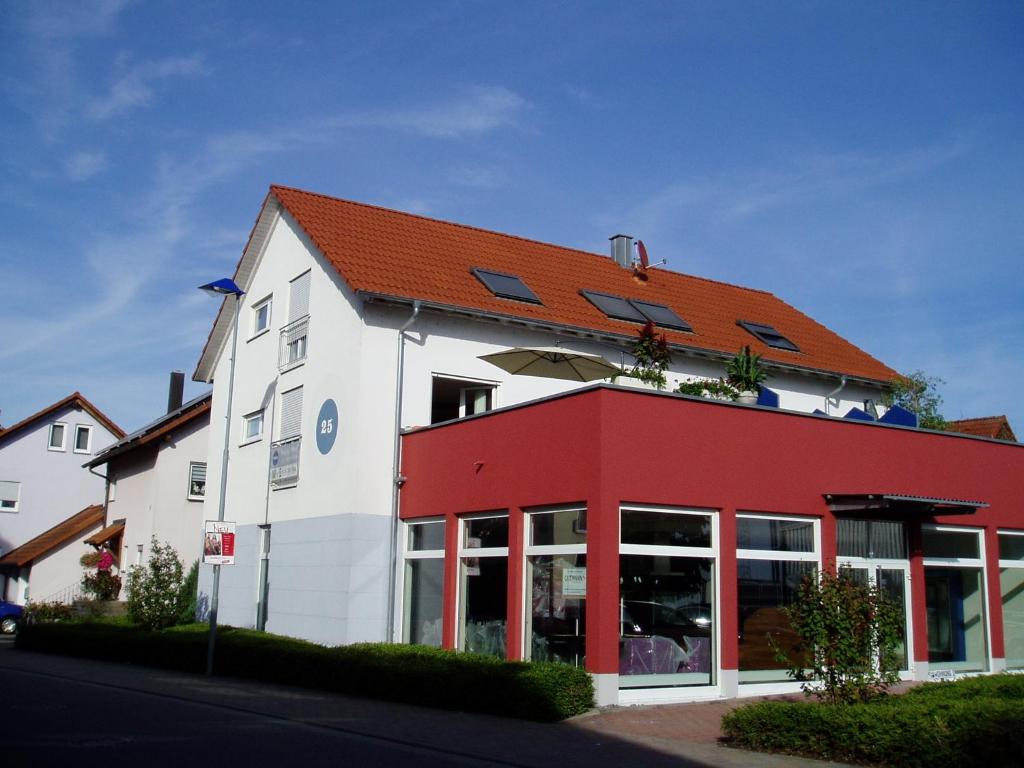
[[103, 583], [652, 356]]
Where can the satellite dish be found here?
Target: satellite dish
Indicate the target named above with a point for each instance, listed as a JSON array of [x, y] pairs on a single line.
[[641, 249]]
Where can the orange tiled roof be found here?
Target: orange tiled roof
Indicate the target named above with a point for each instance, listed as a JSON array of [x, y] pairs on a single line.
[[389, 253], [50, 540], [995, 427], [74, 399]]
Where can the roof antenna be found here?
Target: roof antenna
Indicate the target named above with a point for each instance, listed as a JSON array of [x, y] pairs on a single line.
[[640, 271]]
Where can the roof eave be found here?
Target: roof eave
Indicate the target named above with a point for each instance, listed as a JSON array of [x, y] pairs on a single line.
[[624, 339]]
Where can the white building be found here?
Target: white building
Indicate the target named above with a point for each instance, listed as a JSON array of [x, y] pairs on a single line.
[[357, 321], [48, 502]]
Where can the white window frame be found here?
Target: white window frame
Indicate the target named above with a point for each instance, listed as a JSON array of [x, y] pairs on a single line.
[[418, 554], [1011, 564], [247, 419], [17, 499], [255, 330], [64, 436], [191, 496], [532, 550], [756, 688], [88, 440], [967, 562], [689, 692], [464, 551], [111, 488], [474, 383]]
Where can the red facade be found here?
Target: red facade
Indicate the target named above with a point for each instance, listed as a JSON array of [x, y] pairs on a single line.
[[606, 446]]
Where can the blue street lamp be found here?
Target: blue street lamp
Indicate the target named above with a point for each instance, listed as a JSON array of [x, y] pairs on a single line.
[[222, 287]]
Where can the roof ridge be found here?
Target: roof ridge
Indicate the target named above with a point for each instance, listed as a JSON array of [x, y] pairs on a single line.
[[521, 238]]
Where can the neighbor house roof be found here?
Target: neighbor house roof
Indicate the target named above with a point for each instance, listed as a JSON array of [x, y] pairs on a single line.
[[57, 536], [196, 408], [75, 400], [386, 254], [995, 427]]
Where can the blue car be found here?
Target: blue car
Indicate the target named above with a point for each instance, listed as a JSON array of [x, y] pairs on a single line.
[[10, 615]]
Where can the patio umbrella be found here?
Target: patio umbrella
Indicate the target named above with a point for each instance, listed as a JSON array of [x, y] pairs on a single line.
[[552, 363]]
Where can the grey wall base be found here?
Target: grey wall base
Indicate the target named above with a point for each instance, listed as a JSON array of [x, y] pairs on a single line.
[[327, 579]]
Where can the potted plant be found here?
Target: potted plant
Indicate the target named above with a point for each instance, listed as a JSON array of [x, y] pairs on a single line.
[[652, 357], [746, 374]]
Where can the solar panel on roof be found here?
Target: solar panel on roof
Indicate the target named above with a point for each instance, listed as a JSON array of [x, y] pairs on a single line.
[[768, 335], [615, 307], [661, 315], [505, 286]]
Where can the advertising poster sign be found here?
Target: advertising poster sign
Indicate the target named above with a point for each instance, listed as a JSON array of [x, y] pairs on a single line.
[[219, 543]]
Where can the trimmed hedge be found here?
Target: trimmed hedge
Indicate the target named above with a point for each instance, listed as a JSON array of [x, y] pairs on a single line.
[[974, 722], [412, 674]]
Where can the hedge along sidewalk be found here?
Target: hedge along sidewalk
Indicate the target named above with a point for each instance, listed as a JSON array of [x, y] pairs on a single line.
[[411, 674], [972, 722]]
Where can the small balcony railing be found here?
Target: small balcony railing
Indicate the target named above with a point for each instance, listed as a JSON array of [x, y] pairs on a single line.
[[294, 344]]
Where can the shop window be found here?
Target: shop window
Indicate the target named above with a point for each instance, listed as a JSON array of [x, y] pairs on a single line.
[[483, 585], [556, 584], [667, 586], [774, 555], [423, 599], [955, 599], [457, 398], [876, 539], [1011, 587]]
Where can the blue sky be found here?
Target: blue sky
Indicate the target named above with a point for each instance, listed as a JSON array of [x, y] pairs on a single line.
[[864, 161]]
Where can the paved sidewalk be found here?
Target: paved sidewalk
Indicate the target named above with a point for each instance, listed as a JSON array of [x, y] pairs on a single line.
[[672, 736]]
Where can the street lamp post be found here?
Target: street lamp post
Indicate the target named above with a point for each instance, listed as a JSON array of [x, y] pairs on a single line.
[[222, 287]]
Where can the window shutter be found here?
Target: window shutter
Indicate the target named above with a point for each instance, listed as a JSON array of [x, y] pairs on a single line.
[[291, 414], [10, 491], [298, 297], [198, 472]]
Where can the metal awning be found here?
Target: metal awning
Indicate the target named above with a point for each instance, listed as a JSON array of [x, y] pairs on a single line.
[[897, 504]]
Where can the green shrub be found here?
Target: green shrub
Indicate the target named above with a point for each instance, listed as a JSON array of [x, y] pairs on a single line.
[[187, 596], [44, 613], [933, 725], [408, 673], [154, 591]]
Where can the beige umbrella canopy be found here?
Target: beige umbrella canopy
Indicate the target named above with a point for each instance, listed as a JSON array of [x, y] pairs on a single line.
[[552, 363]]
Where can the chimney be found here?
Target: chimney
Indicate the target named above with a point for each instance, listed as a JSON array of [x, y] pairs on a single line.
[[622, 250], [176, 391]]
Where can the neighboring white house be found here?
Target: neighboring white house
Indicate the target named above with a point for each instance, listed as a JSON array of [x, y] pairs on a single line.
[[156, 480], [358, 320], [46, 495]]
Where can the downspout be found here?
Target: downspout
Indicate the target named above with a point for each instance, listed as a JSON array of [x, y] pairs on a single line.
[[836, 391], [397, 479]]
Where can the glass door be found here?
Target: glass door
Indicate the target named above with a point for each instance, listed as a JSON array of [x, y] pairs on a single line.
[[892, 580]]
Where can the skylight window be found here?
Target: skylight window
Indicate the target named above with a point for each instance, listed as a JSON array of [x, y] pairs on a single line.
[[661, 315], [615, 307], [636, 311], [768, 335], [505, 286]]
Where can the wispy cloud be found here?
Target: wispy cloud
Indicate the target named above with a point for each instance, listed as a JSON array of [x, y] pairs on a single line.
[[84, 165], [134, 88], [476, 177], [473, 111]]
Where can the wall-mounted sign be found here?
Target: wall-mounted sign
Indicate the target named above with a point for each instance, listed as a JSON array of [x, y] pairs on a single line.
[[574, 582], [326, 427], [284, 462], [219, 543]]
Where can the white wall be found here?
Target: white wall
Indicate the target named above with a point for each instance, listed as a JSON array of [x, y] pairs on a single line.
[[56, 575], [152, 494]]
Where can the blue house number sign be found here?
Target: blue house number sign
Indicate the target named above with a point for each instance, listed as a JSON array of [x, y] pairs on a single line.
[[326, 427]]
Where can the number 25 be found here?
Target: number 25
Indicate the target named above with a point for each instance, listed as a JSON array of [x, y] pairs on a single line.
[[326, 426]]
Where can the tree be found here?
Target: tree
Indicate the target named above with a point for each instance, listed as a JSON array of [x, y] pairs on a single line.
[[849, 637], [155, 591], [918, 392]]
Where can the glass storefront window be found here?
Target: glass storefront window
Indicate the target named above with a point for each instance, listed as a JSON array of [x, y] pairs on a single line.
[[1011, 588], [872, 539], [483, 585], [423, 593], [564, 527], [775, 535], [667, 585], [955, 600]]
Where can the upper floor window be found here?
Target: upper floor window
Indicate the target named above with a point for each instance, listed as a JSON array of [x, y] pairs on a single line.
[[768, 335], [196, 480], [252, 427], [83, 438], [505, 286], [58, 435], [295, 334], [456, 398], [10, 495], [261, 316]]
